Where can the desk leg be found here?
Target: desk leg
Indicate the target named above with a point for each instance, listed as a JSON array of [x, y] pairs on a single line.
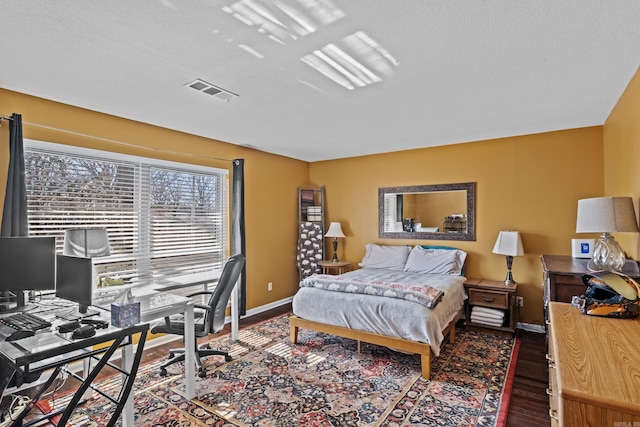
[[127, 363], [189, 353]]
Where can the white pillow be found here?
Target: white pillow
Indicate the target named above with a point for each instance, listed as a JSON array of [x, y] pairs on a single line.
[[383, 256], [437, 261]]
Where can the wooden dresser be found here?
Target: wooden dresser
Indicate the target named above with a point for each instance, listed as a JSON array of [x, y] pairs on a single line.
[[563, 277], [594, 369]]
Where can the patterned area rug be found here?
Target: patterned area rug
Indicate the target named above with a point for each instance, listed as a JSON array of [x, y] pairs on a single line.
[[324, 382]]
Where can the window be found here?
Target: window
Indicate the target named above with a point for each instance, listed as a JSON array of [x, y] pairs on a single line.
[[163, 218]]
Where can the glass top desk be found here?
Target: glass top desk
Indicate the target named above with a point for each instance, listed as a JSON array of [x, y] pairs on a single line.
[[51, 348], [51, 351]]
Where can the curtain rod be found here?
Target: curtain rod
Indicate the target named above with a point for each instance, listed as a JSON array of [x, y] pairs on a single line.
[[117, 142], [7, 118]]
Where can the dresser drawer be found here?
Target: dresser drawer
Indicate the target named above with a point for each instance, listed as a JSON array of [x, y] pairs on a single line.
[[487, 298]]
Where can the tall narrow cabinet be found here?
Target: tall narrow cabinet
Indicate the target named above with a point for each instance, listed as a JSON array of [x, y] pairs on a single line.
[[311, 228]]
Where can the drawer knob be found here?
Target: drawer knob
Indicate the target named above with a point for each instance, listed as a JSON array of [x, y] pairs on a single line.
[[488, 299]]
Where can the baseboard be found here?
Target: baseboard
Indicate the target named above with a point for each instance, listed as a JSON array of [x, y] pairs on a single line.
[[251, 312], [529, 327], [267, 307]]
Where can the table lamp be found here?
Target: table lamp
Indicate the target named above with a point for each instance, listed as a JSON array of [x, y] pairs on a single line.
[[509, 244], [335, 231], [606, 215]]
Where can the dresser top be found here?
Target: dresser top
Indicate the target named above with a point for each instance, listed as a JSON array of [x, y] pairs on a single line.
[[597, 358], [563, 264]]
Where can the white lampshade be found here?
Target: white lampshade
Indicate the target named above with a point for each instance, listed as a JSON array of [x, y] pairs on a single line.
[[606, 215], [509, 243], [335, 230], [86, 242]]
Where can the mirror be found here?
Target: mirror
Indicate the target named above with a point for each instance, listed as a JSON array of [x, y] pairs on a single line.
[[439, 212]]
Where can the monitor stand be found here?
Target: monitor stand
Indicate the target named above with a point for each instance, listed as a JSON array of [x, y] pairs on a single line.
[[11, 302], [7, 299]]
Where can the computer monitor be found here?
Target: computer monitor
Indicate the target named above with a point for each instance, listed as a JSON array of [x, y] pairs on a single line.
[[26, 263], [74, 282]]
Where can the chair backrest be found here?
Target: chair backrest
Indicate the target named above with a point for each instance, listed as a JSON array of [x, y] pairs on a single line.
[[222, 293]]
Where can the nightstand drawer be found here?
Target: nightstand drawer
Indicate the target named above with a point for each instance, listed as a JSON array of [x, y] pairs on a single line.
[[488, 298]]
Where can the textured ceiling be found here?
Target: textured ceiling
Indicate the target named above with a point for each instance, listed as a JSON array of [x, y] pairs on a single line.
[[441, 71]]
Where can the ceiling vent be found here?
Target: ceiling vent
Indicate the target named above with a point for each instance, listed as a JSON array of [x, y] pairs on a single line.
[[215, 91]]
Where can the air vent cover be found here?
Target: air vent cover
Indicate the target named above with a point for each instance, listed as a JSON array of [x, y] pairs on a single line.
[[215, 91]]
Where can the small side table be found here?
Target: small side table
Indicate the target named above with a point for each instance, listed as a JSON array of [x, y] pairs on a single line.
[[492, 294], [334, 267]]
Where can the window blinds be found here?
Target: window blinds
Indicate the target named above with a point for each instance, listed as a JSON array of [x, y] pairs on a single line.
[[163, 218]]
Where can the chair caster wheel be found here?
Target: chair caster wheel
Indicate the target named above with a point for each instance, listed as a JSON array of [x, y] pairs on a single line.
[[228, 358], [163, 372], [202, 373]]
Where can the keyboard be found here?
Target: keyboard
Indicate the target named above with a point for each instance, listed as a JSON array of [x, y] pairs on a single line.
[[27, 321]]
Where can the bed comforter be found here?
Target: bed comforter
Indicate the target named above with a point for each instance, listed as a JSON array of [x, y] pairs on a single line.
[[383, 315]]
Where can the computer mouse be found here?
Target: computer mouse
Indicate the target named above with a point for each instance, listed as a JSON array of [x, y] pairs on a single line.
[[85, 331], [19, 334]]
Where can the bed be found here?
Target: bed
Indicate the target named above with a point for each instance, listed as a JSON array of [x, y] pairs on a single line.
[[404, 298]]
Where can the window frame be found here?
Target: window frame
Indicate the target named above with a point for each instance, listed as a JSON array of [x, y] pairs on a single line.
[[137, 257]]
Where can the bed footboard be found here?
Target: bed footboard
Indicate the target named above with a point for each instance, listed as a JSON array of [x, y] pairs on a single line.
[[424, 350]]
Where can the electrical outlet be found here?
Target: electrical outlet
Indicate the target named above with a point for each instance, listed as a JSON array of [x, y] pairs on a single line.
[[520, 301], [269, 286]]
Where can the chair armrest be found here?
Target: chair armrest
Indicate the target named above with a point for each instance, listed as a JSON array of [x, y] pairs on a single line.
[[200, 293]]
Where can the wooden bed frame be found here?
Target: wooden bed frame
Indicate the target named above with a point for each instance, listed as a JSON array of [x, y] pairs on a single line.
[[424, 350]]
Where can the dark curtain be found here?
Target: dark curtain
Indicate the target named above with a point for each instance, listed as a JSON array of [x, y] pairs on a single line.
[[14, 216], [238, 239], [14, 213]]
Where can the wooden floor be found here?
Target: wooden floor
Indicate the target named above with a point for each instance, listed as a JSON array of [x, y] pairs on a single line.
[[529, 402]]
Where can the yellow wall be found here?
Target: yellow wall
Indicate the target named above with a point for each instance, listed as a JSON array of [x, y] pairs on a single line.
[[622, 156], [529, 183], [271, 181]]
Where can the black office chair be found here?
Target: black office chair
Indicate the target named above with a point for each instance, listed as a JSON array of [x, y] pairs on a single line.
[[209, 319]]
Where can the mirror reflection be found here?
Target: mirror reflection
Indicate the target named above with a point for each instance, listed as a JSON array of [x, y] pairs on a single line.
[[444, 212]]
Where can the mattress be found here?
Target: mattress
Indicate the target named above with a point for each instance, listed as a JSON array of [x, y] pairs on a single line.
[[393, 317]]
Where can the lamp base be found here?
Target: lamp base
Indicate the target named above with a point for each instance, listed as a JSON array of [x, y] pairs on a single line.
[[607, 254], [508, 281]]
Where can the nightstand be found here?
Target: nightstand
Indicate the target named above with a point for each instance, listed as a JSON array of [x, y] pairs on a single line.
[[334, 267], [492, 294]]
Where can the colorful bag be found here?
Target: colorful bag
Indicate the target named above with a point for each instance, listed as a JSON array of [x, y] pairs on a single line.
[[610, 294]]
